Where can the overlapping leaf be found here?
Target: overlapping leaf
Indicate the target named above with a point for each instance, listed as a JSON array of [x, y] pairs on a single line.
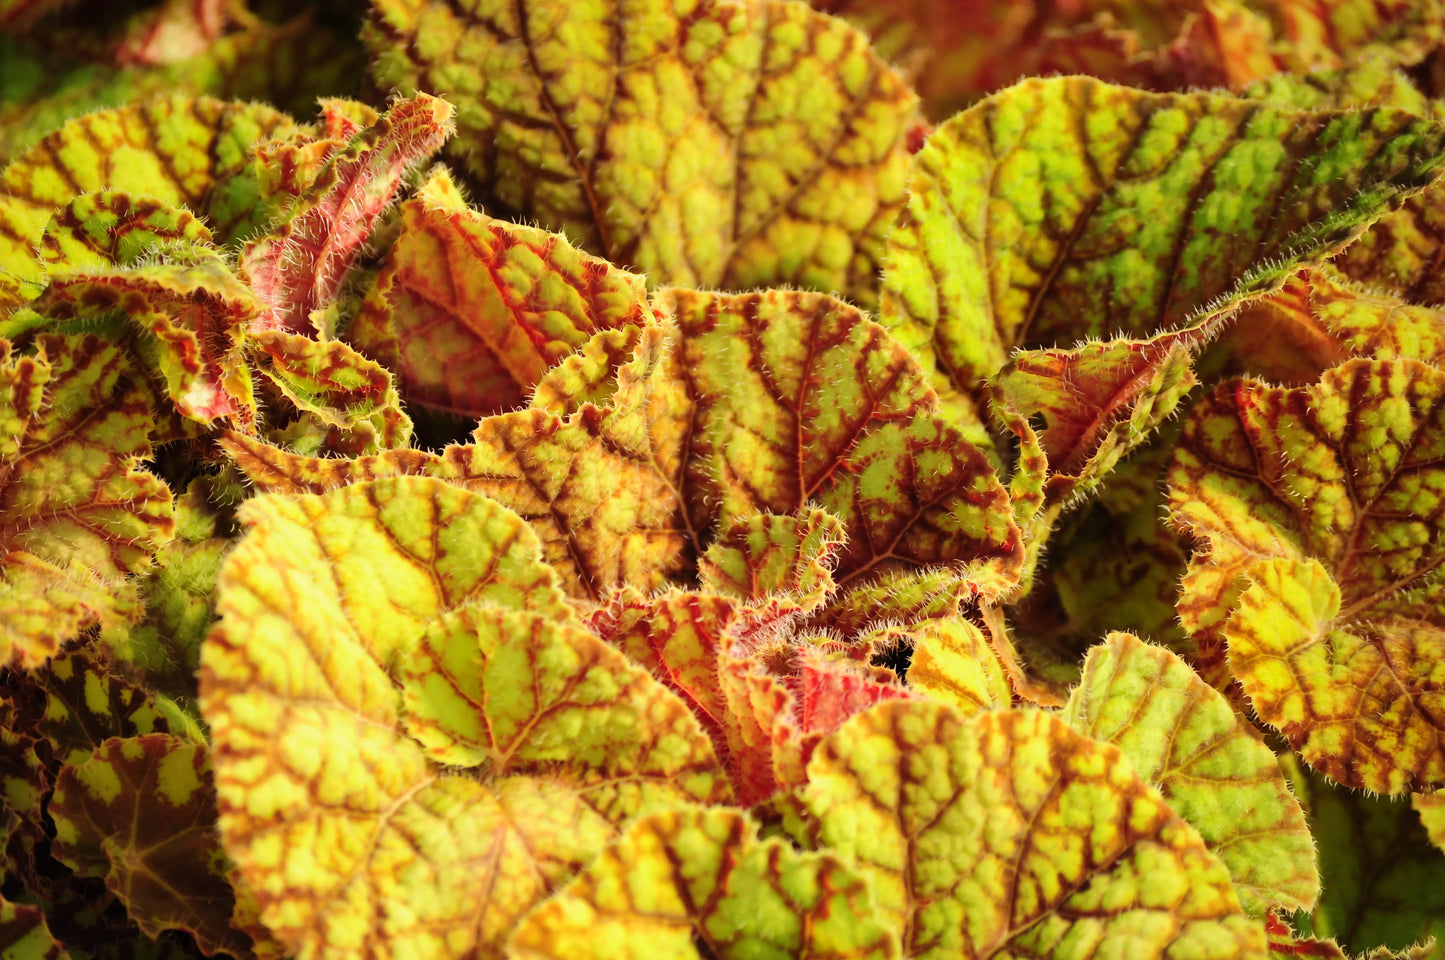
[[1318, 320], [24, 934], [470, 312], [1284, 943], [1381, 878], [760, 403], [1010, 834], [298, 268], [141, 813], [737, 144], [172, 150], [76, 514], [1319, 504], [1067, 208], [380, 849], [1186, 739], [698, 883]]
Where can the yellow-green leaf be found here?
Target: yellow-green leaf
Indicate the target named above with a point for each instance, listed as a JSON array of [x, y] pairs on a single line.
[[1067, 208], [728, 143], [698, 883], [1009, 834], [77, 516], [1186, 739], [1322, 501]]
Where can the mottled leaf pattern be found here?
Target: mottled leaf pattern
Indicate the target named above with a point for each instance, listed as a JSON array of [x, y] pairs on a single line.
[[706, 145], [1318, 504], [942, 814], [1184, 737], [698, 883]]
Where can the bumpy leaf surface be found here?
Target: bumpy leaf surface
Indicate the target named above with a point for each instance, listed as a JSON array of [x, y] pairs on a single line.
[[698, 883], [1323, 502], [1066, 208], [1185, 738], [172, 150], [299, 267], [1318, 320], [76, 515], [192, 315], [731, 143], [470, 312], [369, 849], [141, 812], [762, 557], [1009, 834]]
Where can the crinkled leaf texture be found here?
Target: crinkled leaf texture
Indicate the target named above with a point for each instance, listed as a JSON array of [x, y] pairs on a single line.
[[77, 515], [1067, 208], [696, 883], [727, 143], [1320, 564], [370, 635], [1010, 834], [1185, 738]]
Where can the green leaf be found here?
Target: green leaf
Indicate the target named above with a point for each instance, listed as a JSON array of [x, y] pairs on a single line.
[[1185, 738], [697, 883], [76, 515], [172, 150], [1317, 503], [1067, 208], [1010, 834], [732, 145], [352, 841], [141, 812], [1383, 883], [470, 312]]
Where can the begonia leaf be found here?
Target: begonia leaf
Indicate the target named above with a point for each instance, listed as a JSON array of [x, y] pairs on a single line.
[[691, 643], [351, 397], [191, 315], [1185, 738], [1383, 884], [16, 15], [141, 812], [954, 663], [174, 30], [288, 64], [172, 150], [1284, 943], [86, 704], [164, 648], [697, 883], [422, 857], [801, 399], [24, 934], [299, 267], [1320, 319], [109, 228], [76, 514], [1068, 208], [511, 692], [470, 311], [766, 402], [1009, 834], [738, 143], [1318, 503], [764, 557]]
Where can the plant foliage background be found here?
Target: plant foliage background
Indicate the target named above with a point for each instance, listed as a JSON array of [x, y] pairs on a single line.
[[722, 479]]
